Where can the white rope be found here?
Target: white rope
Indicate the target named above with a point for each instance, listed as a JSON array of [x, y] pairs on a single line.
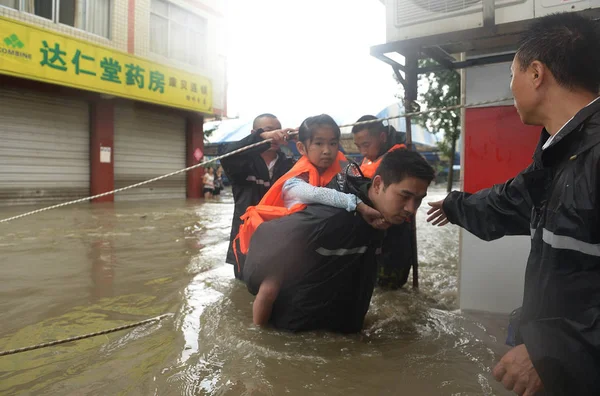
[[134, 185], [433, 110]]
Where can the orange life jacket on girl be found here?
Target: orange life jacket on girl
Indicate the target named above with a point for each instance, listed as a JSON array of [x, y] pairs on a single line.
[[369, 168], [271, 206]]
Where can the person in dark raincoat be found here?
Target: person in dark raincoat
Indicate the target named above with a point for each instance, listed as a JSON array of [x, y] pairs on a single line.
[[252, 172], [374, 140], [556, 200], [325, 257]]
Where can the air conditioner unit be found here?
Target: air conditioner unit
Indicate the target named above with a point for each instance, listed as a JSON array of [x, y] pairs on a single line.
[[408, 19]]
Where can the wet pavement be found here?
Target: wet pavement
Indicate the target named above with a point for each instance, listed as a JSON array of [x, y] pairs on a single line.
[[86, 268]]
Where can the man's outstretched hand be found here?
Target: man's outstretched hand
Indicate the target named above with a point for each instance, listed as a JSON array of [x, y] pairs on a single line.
[[437, 215]]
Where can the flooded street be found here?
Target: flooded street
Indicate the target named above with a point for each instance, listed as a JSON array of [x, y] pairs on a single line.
[[85, 268]]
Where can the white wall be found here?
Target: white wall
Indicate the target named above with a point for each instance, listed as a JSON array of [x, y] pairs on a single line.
[[215, 62], [489, 82], [492, 273]]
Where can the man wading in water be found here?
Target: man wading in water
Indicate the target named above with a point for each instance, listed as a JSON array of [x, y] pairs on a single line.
[[252, 172], [374, 140], [325, 270], [556, 201]]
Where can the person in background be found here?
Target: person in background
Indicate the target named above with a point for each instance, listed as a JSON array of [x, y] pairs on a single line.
[[218, 181], [252, 172], [208, 181], [556, 201], [374, 140]]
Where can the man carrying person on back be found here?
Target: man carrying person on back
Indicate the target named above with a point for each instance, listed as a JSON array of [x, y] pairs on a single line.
[[252, 172], [325, 259]]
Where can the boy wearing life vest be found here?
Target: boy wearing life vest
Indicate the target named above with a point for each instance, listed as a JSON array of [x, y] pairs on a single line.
[[316, 269], [374, 141], [321, 161]]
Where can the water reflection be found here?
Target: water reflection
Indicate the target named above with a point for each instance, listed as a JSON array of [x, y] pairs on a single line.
[[102, 252], [198, 295]]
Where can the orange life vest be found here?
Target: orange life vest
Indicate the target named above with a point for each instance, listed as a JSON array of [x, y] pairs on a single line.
[[369, 168], [271, 206]]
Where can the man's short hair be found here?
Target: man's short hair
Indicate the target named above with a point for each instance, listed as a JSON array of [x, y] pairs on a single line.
[[265, 115], [374, 128], [397, 165], [568, 44]]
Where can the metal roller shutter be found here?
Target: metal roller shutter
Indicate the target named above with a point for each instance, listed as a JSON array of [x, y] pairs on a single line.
[[148, 144], [44, 147]]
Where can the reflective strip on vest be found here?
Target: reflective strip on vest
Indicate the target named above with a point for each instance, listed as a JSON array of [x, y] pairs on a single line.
[[570, 243], [341, 252]]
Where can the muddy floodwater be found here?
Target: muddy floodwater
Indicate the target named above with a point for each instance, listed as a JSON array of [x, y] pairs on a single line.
[[86, 268]]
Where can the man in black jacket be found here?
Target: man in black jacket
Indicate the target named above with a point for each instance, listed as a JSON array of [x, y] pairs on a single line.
[[322, 273], [555, 83], [252, 172], [374, 140]]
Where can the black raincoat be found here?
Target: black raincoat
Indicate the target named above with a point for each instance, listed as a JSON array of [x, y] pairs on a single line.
[[326, 260], [397, 253], [396, 256], [250, 181], [555, 201]]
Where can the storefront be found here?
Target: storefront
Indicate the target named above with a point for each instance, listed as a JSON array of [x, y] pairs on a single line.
[[78, 119]]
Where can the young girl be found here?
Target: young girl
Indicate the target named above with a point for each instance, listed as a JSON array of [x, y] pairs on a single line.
[[318, 142]]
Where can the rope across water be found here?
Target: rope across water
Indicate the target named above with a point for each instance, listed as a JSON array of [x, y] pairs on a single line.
[[81, 337]]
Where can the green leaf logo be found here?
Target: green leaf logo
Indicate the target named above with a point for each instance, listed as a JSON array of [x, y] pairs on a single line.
[[13, 41]]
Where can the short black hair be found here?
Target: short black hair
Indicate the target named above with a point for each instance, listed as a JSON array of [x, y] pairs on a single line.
[[375, 128], [397, 165], [264, 115], [568, 44], [310, 125]]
